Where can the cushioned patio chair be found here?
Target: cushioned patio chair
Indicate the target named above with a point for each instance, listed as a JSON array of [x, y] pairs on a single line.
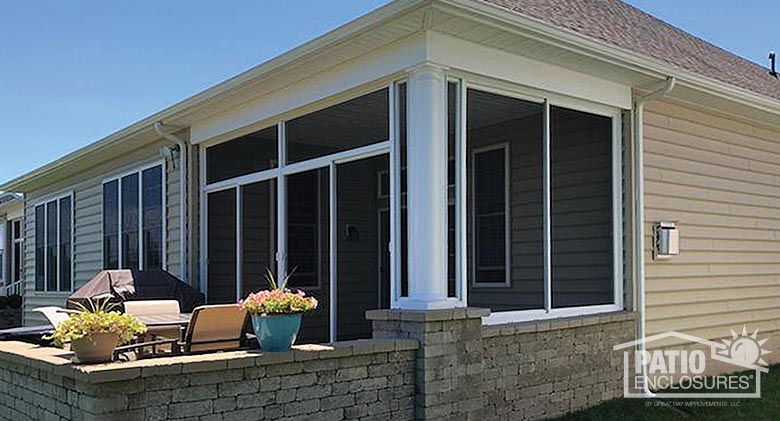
[[55, 315], [211, 328]]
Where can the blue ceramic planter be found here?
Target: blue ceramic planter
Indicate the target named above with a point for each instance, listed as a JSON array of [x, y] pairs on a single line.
[[276, 332]]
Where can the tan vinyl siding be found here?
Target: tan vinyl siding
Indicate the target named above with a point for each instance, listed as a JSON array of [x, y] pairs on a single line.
[[719, 177], [87, 190]]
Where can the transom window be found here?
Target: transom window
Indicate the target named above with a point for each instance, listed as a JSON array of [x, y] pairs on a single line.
[[133, 220], [53, 245]]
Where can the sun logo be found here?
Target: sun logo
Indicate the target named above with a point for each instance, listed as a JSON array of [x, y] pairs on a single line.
[[744, 348]]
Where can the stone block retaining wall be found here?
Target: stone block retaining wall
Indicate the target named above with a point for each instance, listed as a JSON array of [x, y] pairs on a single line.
[[427, 365], [544, 370], [359, 380], [530, 370]]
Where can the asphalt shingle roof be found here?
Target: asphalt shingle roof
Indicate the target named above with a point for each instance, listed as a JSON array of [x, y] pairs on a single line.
[[624, 26]]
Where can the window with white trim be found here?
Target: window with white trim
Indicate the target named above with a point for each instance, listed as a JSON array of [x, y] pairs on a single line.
[[133, 220], [53, 245], [491, 216], [17, 247]]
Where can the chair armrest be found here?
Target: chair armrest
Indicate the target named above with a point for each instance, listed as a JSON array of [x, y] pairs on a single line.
[[132, 347]]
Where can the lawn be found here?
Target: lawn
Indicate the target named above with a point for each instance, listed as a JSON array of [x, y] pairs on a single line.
[[766, 408]]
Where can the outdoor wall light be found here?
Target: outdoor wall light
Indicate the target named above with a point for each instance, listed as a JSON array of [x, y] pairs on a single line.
[[666, 240]]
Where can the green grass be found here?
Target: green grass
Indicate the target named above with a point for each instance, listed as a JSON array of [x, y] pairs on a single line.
[[765, 408]]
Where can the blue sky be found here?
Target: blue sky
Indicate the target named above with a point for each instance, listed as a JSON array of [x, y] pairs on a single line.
[[74, 72]]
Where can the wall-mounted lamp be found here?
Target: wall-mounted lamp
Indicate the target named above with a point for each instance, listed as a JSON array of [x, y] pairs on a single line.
[[169, 153], [666, 240], [351, 233]]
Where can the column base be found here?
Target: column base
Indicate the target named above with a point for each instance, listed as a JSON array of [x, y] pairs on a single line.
[[435, 304]]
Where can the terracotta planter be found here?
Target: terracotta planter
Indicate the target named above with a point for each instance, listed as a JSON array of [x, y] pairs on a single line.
[[97, 349]]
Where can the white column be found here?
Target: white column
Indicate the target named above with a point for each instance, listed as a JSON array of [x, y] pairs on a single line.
[[427, 189]]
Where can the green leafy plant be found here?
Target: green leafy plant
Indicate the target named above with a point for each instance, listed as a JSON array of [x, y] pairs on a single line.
[[99, 317], [278, 299]]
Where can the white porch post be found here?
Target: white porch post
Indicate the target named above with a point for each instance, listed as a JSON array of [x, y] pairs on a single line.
[[427, 189]]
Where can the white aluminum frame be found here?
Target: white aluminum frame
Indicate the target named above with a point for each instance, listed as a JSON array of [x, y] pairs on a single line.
[[392, 146], [548, 100], [164, 186], [44, 201], [280, 173]]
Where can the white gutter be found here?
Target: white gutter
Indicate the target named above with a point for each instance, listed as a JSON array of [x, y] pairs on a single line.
[[639, 211], [183, 203]]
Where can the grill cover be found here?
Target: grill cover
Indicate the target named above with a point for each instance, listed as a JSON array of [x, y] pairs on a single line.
[[125, 285]]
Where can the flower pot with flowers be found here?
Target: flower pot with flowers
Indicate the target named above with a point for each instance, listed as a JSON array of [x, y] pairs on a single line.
[[95, 331], [276, 313]]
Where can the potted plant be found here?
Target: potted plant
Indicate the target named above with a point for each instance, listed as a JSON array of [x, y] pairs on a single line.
[[94, 332], [276, 313]]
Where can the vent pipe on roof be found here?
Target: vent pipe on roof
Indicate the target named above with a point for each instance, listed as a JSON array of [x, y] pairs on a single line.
[[772, 72], [639, 212]]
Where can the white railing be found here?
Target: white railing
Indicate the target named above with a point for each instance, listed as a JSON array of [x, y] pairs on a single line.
[[13, 288]]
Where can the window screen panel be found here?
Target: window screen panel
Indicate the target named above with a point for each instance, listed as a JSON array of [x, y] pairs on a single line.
[[499, 126], [222, 247], [258, 234], [248, 154], [304, 228], [582, 242], [358, 122]]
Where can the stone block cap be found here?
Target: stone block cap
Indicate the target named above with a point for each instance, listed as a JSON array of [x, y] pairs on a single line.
[[428, 315]]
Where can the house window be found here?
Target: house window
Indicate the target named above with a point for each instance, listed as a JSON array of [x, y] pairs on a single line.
[[3, 241], [133, 221], [491, 216], [53, 245], [17, 246]]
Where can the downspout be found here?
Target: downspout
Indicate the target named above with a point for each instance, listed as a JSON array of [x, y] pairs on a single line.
[[183, 203], [639, 211]]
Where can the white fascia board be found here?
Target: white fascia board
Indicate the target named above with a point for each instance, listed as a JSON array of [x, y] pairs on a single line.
[[466, 56], [364, 70]]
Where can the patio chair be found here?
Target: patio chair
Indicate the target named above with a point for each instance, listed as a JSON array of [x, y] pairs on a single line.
[[54, 315], [211, 328], [156, 308]]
